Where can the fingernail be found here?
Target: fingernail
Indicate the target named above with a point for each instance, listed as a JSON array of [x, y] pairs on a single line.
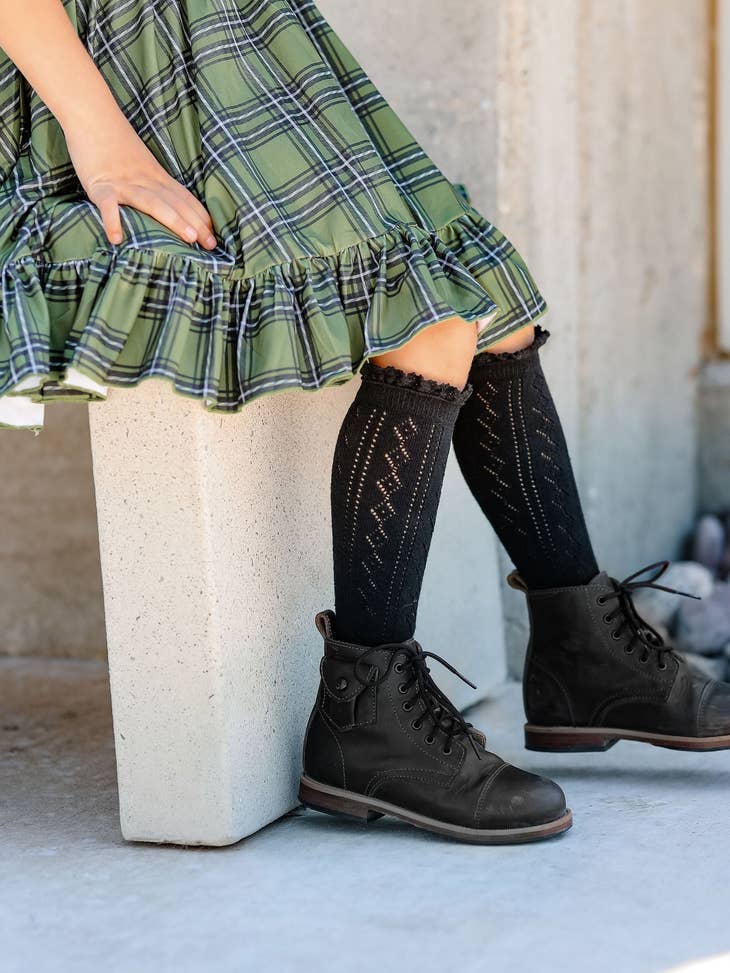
[[190, 233], [211, 241]]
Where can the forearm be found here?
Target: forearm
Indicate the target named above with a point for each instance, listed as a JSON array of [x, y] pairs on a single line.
[[39, 38], [113, 164]]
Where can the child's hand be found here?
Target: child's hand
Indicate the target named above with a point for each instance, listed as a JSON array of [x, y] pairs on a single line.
[[115, 166]]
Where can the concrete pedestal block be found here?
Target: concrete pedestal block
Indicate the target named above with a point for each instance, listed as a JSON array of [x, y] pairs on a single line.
[[215, 547]]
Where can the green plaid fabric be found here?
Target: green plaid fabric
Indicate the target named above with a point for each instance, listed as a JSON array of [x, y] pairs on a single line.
[[338, 237]]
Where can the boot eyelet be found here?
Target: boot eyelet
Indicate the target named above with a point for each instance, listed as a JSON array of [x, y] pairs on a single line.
[[447, 751], [600, 600], [341, 684], [407, 707], [608, 618], [643, 659], [429, 740], [616, 636], [662, 667], [398, 667], [416, 724], [402, 688], [629, 650]]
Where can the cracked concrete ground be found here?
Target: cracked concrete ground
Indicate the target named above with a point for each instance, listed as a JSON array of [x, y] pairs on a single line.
[[638, 886]]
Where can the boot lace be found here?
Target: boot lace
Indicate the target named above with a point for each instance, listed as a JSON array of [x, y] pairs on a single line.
[[642, 632], [436, 708]]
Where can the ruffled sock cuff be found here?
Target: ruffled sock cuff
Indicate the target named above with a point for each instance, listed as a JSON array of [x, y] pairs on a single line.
[[412, 387], [509, 362]]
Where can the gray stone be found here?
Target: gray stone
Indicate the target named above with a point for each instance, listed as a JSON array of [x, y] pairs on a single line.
[[704, 626], [713, 666], [708, 542], [661, 607]]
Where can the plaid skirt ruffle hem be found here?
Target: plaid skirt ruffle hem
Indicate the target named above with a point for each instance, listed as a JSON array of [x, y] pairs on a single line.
[[338, 237]]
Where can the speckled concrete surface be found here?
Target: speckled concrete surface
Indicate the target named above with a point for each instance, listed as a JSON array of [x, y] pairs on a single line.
[[638, 886]]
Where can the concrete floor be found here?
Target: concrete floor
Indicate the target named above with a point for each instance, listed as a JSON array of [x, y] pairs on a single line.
[[639, 885]]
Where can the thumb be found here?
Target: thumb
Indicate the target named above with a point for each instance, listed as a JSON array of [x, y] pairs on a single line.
[[108, 206]]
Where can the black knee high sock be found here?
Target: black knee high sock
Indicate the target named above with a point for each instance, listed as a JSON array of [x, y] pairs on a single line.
[[387, 475], [511, 449]]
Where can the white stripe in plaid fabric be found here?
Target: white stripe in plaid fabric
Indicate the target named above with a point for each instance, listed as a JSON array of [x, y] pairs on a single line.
[[338, 236]]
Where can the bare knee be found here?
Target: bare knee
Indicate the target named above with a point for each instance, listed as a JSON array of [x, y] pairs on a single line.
[[515, 341], [443, 352]]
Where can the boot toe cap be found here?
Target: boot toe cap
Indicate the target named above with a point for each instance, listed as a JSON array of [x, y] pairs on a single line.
[[515, 798], [714, 717]]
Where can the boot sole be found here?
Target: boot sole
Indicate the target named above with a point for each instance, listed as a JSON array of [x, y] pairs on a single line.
[[593, 739], [333, 800]]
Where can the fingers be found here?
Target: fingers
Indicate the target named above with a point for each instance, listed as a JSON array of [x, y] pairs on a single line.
[[197, 206], [170, 204], [176, 209], [110, 216], [194, 213]]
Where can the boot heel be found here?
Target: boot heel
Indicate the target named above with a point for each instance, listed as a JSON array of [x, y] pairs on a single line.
[[550, 740], [330, 802]]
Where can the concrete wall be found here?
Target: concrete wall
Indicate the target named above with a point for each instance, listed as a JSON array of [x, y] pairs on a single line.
[[49, 556], [715, 380], [715, 438], [602, 182], [721, 11]]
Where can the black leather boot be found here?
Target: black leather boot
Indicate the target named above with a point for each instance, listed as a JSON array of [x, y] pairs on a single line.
[[383, 739], [596, 673]]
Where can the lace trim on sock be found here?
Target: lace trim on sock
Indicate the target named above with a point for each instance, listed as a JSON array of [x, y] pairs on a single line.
[[488, 358], [389, 375]]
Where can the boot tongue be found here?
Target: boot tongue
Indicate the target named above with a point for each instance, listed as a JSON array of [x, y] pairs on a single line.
[[601, 580]]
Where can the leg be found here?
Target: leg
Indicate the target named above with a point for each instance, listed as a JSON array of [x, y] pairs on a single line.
[[511, 449], [444, 352], [383, 738], [387, 474], [516, 341], [595, 672]]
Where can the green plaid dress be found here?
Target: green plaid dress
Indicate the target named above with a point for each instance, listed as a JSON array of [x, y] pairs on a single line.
[[338, 237]]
